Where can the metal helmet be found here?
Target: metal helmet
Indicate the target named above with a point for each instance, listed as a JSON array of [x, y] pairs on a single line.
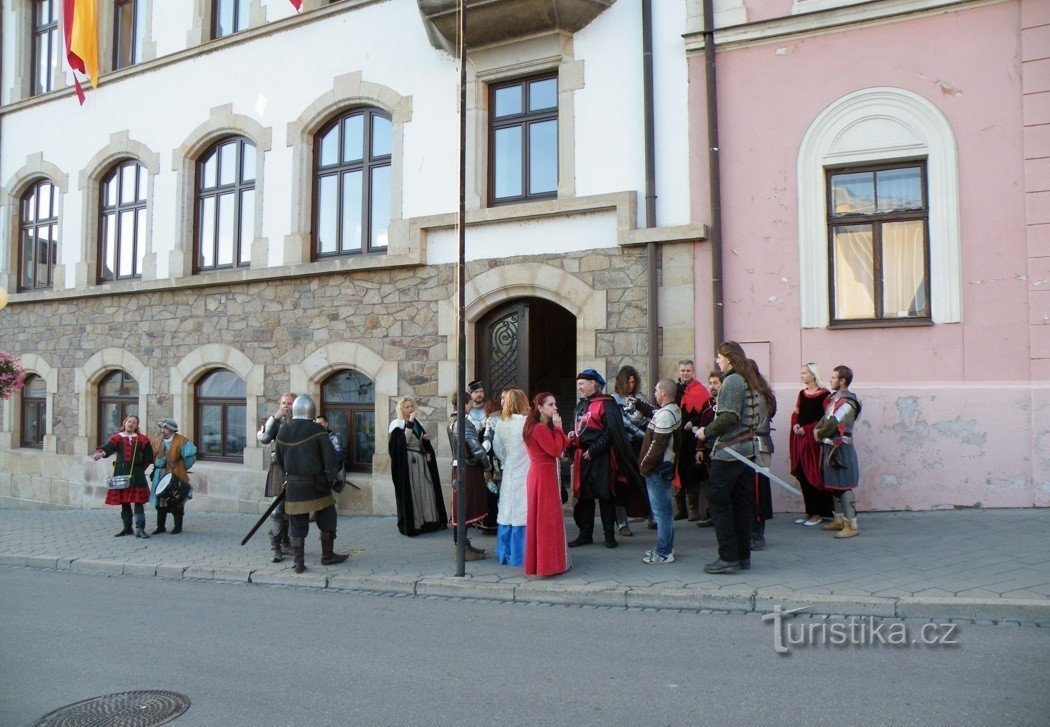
[[304, 408]]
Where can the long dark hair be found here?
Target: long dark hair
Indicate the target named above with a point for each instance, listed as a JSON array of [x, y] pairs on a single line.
[[764, 389], [739, 363], [534, 414], [624, 374]]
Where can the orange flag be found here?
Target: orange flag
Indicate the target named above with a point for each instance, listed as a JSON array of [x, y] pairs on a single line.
[[80, 18]]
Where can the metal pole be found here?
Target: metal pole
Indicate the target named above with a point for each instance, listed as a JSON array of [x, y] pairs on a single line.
[[461, 282], [651, 258], [714, 235]]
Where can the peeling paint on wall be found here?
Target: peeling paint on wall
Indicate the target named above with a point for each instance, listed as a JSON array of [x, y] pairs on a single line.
[[964, 431]]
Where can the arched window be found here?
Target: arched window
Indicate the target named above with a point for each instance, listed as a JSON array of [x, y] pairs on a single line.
[[351, 211], [34, 412], [221, 423], [118, 398], [225, 217], [348, 400], [38, 233], [122, 227]]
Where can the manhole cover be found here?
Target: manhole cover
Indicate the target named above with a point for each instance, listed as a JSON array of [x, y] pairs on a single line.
[[124, 709]]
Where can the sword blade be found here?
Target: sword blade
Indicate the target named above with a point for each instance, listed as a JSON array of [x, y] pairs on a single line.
[[761, 470]]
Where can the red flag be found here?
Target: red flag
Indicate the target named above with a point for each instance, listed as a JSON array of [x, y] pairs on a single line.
[[80, 21], [297, 4]]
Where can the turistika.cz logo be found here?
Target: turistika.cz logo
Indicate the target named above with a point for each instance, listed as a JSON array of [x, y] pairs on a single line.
[[854, 631]]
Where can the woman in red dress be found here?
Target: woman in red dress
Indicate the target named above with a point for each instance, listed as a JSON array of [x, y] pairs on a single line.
[[545, 549], [133, 454], [805, 451]]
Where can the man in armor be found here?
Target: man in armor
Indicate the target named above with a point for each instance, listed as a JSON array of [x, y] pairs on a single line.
[[839, 462], [275, 475], [308, 460], [478, 469]]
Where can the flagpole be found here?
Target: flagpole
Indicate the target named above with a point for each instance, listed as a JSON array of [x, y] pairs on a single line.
[[461, 270]]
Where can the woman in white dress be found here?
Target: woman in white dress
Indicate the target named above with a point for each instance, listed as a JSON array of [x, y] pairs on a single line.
[[508, 444]]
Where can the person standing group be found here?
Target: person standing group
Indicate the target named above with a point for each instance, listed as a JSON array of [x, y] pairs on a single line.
[[508, 446], [841, 468], [805, 450], [413, 469], [175, 455]]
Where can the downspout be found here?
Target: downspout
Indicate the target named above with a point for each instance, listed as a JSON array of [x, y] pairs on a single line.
[[714, 234], [651, 258]]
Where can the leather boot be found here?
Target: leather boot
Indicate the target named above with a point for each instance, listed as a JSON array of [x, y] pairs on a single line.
[[177, 517], [141, 532], [126, 518], [275, 546], [835, 524], [328, 554], [692, 504], [285, 540], [298, 554], [680, 511], [849, 529], [162, 520], [610, 539]]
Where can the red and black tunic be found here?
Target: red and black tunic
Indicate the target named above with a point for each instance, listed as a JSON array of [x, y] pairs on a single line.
[[133, 454]]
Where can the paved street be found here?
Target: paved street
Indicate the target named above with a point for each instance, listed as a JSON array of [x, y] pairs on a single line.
[[983, 564], [248, 655]]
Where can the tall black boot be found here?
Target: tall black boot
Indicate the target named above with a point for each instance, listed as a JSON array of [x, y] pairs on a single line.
[[177, 517], [125, 516], [328, 554], [298, 554], [276, 527], [162, 519]]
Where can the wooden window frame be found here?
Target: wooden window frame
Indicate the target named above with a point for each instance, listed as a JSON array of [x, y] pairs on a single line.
[[215, 18], [124, 402], [876, 220], [116, 174], [525, 119], [28, 226], [120, 7], [225, 403], [38, 29], [238, 187], [327, 408], [366, 166], [38, 405]]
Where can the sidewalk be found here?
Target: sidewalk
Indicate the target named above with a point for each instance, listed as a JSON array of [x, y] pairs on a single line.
[[967, 564]]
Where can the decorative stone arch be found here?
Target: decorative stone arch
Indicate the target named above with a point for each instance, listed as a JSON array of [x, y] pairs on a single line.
[[11, 437], [525, 280], [120, 148], [348, 91], [186, 373], [222, 123], [86, 381], [876, 125], [34, 170], [307, 378]]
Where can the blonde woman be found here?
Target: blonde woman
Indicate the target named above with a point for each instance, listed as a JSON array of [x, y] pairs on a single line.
[[508, 445], [413, 469]]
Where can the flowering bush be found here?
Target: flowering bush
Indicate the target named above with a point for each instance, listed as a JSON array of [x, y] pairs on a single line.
[[11, 374]]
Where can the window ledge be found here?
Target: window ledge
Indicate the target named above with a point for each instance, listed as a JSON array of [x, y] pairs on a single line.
[[885, 323]]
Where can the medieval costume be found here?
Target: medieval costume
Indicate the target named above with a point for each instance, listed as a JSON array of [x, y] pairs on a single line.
[[275, 485], [133, 453], [763, 458], [174, 455], [476, 463], [310, 465], [610, 472], [545, 552], [509, 447], [804, 453], [841, 469], [703, 468], [417, 485], [691, 398]]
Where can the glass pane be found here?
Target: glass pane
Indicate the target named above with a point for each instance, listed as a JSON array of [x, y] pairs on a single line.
[[543, 94], [224, 20], [226, 225], [852, 193], [508, 101], [140, 238], [221, 384], [247, 231], [211, 429], [228, 163], [854, 272], [507, 160], [327, 207], [543, 157], [330, 147], [207, 233], [44, 201], [339, 422], [126, 248], [118, 384], [48, 252], [55, 46], [109, 191], [109, 246], [380, 200], [899, 189], [127, 183], [140, 34], [33, 419], [26, 277], [29, 208], [349, 387], [40, 71], [904, 269], [140, 194], [364, 436], [211, 165], [380, 136], [124, 32], [248, 163], [352, 210], [236, 437], [111, 418], [354, 138], [35, 388]]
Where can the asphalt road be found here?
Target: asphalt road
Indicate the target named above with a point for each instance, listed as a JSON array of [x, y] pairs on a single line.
[[256, 655]]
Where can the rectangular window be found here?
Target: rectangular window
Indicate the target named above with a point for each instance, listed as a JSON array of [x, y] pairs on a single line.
[[878, 244], [523, 140], [129, 32], [46, 46], [229, 17]]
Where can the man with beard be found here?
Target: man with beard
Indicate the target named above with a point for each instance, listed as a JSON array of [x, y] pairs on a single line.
[[478, 413], [603, 466], [691, 397], [275, 475]]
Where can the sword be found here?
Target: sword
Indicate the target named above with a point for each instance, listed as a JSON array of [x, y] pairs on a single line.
[[761, 470], [269, 511]]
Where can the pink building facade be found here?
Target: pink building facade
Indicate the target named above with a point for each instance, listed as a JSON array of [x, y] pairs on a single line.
[[921, 129]]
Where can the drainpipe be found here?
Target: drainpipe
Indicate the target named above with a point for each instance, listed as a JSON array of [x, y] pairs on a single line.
[[714, 235], [651, 258]]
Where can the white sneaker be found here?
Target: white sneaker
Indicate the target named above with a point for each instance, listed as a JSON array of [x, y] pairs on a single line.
[[653, 559]]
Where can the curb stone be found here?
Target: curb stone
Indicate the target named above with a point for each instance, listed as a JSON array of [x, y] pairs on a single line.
[[766, 599], [541, 592], [287, 578], [105, 567], [991, 609], [464, 588], [375, 582]]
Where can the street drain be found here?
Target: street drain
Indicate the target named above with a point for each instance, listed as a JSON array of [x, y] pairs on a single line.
[[144, 708]]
